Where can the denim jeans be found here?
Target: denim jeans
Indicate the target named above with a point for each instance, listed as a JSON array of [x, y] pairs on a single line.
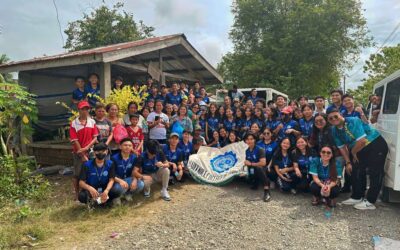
[[117, 188]]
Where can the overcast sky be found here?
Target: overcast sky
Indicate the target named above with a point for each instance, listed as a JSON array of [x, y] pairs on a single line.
[[29, 28]]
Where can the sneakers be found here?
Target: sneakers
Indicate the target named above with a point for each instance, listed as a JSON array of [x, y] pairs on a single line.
[[365, 205], [267, 196], [293, 191], [165, 195], [116, 202], [351, 201], [146, 194]]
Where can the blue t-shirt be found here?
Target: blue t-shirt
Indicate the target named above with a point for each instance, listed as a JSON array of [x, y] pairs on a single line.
[[123, 168], [292, 124], [271, 124], [97, 177], [352, 114], [78, 95], [186, 149], [269, 149], [341, 109], [354, 130], [173, 156], [303, 161], [89, 90], [255, 155], [206, 99], [282, 161], [202, 123], [253, 99], [306, 127], [149, 165], [229, 125], [247, 122], [239, 123], [259, 122], [317, 168], [174, 99], [213, 123]]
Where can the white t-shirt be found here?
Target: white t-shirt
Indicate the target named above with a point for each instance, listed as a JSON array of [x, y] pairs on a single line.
[[159, 132]]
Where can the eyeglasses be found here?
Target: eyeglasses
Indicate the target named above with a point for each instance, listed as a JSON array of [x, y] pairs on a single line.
[[267, 133], [326, 152], [333, 117], [319, 121]]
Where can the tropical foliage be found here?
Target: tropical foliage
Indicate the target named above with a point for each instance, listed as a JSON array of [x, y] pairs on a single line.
[[296, 46], [105, 26]]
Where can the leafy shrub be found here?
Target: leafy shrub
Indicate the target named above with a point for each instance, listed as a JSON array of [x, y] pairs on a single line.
[[17, 181]]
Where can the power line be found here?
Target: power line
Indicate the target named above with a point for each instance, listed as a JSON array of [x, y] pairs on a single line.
[[58, 20], [381, 47]]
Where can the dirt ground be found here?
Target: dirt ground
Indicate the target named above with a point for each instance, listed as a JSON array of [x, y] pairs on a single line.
[[205, 217]]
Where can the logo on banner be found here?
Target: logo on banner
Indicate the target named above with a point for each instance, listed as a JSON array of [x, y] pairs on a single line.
[[223, 163]]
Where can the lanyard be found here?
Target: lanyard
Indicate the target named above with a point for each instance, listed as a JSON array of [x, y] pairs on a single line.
[[101, 173], [307, 126], [125, 166], [285, 160]]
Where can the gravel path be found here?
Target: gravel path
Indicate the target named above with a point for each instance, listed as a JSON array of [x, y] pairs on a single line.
[[235, 217]]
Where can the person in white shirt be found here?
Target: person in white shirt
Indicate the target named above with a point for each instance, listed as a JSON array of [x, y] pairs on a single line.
[[158, 124]]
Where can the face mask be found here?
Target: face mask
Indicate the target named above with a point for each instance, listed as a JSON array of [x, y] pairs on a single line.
[[101, 156]]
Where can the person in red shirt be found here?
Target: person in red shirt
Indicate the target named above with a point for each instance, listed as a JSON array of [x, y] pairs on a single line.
[[136, 134], [83, 134]]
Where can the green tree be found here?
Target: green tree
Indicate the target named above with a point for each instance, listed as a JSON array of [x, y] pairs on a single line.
[[105, 26], [297, 46], [378, 66], [5, 77]]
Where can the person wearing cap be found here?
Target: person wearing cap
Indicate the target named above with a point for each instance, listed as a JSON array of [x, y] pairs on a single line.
[[197, 99], [362, 147], [197, 134], [79, 94], [174, 156], [158, 123], [288, 128], [125, 184], [186, 146], [118, 83], [96, 178], [153, 166], [184, 101], [83, 134], [174, 97], [93, 88]]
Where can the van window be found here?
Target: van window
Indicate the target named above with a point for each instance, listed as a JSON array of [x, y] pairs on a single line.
[[392, 96]]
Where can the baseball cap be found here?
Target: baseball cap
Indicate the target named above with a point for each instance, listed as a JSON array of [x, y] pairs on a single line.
[[83, 104], [173, 134], [236, 99], [184, 97], [197, 127], [197, 96], [287, 110]]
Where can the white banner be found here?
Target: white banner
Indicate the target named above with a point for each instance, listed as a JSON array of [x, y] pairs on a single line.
[[218, 166]]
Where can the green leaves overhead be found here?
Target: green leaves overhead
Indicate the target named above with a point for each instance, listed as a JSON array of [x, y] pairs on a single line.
[[105, 26], [297, 46]]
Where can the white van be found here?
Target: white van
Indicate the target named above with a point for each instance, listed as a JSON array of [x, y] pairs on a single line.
[[388, 124], [265, 94]]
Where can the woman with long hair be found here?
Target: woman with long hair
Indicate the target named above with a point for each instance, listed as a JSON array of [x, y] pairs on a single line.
[[269, 146], [112, 110], [183, 119], [302, 156], [306, 123], [259, 117], [229, 121], [213, 121], [255, 162], [326, 177], [283, 166]]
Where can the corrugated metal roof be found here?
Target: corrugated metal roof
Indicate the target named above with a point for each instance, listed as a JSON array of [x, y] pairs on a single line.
[[98, 50]]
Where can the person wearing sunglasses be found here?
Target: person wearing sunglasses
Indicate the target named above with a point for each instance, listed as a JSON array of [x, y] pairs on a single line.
[[363, 148], [325, 178]]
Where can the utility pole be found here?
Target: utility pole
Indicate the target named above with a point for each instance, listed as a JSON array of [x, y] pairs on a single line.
[[344, 84]]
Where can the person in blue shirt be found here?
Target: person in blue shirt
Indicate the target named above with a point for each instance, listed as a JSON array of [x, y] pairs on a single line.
[[79, 93], [302, 156], [214, 141], [336, 98], [363, 148], [256, 163], [283, 167], [259, 117], [174, 157], [350, 110], [153, 166], [288, 127], [268, 145], [229, 121], [306, 123], [253, 97], [271, 120], [223, 137], [204, 96], [232, 137], [186, 146], [174, 97], [125, 183], [247, 121], [326, 177], [96, 178], [93, 88], [213, 121]]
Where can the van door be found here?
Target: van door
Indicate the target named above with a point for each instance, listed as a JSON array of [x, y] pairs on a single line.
[[388, 124]]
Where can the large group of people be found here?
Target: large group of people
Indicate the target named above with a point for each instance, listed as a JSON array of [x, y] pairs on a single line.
[[293, 146]]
